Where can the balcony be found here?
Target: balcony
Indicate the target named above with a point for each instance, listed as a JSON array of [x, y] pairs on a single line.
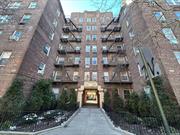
[[64, 80], [67, 64], [112, 39], [64, 50], [67, 29], [126, 80], [113, 50], [115, 29], [66, 39], [123, 64]]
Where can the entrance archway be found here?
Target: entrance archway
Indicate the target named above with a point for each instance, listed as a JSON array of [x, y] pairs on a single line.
[[90, 93], [90, 97]]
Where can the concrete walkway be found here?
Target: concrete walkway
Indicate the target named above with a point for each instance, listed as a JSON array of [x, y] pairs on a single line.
[[89, 121]]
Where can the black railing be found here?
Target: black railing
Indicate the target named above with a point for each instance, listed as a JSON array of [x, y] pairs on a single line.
[[141, 126]]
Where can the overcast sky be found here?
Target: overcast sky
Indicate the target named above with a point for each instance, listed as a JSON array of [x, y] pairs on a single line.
[[90, 5]]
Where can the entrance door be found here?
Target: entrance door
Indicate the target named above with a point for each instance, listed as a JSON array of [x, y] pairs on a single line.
[[91, 97]]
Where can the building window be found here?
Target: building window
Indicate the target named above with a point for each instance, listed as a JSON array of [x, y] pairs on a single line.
[[124, 76], [88, 37], [55, 23], [94, 60], [81, 20], [94, 76], [87, 62], [88, 28], [33, 5], [88, 19], [94, 49], [127, 23], [94, 37], [173, 2], [131, 34], [1, 32], [159, 16], [75, 76], [94, 28], [105, 60], [93, 19], [25, 19], [140, 70], [14, 5], [56, 92], [126, 94], [51, 35], [16, 35], [41, 68], [58, 12], [136, 50], [46, 49], [76, 60], [4, 18], [177, 54], [170, 35], [86, 76], [4, 57], [177, 13], [88, 48], [106, 76]]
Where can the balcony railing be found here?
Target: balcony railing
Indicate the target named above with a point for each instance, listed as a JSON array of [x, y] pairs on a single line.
[[65, 39], [115, 29], [123, 64], [67, 29], [121, 80], [67, 64], [114, 50], [112, 39], [61, 79], [64, 50]]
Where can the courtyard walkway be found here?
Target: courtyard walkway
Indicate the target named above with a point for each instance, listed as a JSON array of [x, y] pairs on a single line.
[[89, 121]]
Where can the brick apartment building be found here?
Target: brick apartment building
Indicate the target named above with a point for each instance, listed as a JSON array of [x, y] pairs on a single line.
[[29, 34], [92, 57], [90, 52], [154, 26]]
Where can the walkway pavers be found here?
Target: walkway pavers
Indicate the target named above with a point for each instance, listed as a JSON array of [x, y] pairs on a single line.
[[89, 121]]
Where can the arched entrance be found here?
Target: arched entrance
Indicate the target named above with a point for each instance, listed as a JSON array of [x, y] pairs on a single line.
[[90, 97], [90, 93]]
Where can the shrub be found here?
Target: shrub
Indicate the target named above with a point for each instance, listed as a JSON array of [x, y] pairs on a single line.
[[6, 125], [117, 102], [107, 101], [13, 101], [72, 100], [63, 100], [130, 118], [151, 122], [42, 97], [132, 103], [144, 106]]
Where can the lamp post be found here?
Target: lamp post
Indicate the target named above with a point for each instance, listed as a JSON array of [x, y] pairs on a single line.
[[167, 129]]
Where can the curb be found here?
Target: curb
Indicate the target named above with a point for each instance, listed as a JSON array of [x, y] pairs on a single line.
[[45, 130], [118, 129]]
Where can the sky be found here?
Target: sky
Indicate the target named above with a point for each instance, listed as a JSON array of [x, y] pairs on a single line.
[[90, 5]]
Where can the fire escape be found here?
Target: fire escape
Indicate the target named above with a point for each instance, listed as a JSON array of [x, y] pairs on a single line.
[[114, 54], [69, 51]]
